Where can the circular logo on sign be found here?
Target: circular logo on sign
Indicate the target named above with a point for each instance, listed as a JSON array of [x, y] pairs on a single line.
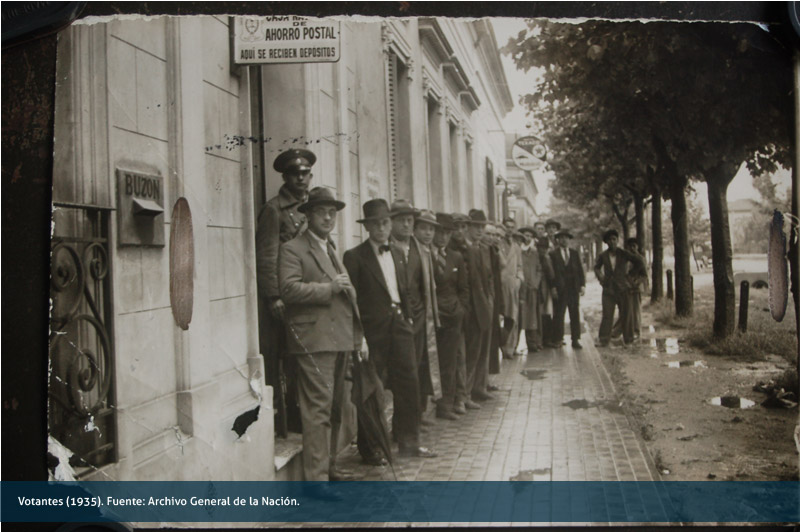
[[528, 153]]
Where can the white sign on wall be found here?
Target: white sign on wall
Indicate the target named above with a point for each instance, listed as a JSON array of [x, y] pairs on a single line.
[[285, 39], [528, 153]]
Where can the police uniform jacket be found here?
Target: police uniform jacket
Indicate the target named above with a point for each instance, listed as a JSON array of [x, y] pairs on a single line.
[[279, 221]]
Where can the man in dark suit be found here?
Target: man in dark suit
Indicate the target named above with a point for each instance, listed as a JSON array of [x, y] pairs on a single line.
[[568, 285], [452, 294], [612, 269], [478, 323], [375, 269], [425, 225], [458, 243], [323, 327], [279, 221]]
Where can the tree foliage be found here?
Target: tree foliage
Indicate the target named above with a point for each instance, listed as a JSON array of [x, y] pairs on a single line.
[[655, 105]]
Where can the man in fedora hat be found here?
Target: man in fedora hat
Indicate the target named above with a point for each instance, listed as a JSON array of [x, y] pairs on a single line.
[[278, 222], [425, 226], [478, 322], [416, 268], [458, 243], [375, 268], [534, 276], [544, 245], [323, 327], [568, 285], [452, 294], [511, 277], [612, 269]]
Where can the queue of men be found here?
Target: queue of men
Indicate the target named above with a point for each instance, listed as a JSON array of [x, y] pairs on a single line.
[[431, 300]]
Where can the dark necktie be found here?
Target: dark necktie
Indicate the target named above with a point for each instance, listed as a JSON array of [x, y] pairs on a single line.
[[384, 248], [441, 259], [332, 256]]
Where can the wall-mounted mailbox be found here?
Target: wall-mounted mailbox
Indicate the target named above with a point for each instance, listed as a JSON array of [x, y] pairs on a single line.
[[140, 208]]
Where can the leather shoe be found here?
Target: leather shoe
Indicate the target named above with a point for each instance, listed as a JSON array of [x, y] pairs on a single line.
[[322, 492], [425, 422], [445, 414], [482, 396], [460, 409], [472, 405], [341, 475], [419, 452], [492, 387], [376, 460], [576, 345]]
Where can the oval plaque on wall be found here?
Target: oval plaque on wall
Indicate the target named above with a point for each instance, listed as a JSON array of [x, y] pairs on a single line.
[[181, 264]]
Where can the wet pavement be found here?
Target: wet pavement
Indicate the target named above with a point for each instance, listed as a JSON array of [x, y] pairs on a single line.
[[555, 417]]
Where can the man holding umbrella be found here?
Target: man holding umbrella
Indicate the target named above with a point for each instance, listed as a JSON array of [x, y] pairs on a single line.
[[375, 268]]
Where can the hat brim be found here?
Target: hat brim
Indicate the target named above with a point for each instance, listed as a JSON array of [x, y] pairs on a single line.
[[478, 222], [404, 212], [310, 205], [373, 218], [423, 221], [564, 233]]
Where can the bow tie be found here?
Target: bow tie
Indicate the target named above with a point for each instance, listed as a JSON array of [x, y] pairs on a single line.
[[384, 248]]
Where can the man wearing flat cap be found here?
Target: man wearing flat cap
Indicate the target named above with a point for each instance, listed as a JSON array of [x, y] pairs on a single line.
[[279, 221], [568, 285], [612, 269], [323, 328], [376, 269]]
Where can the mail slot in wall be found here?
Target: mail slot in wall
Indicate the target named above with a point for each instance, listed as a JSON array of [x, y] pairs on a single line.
[[140, 208]]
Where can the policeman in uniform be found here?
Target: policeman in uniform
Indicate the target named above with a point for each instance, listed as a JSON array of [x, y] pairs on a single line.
[[280, 221]]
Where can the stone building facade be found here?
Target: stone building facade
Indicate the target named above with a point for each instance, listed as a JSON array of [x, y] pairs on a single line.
[[413, 109]]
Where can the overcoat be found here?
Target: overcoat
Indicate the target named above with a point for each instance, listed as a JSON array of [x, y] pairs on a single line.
[[420, 263], [531, 292]]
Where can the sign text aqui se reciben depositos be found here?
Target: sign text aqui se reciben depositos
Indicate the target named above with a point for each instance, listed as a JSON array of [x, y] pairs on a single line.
[[285, 39]]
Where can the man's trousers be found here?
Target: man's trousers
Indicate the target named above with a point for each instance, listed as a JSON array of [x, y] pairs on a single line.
[[318, 380]]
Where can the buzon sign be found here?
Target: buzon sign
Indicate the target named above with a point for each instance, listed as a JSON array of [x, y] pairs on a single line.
[[285, 39]]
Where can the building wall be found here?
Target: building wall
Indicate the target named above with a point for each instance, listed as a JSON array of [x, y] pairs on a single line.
[[162, 100], [167, 103]]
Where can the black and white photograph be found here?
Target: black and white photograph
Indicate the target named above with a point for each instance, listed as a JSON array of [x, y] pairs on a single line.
[[287, 247]]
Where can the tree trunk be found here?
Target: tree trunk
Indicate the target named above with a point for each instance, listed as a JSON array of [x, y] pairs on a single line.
[[657, 291], [680, 237], [718, 180], [638, 210]]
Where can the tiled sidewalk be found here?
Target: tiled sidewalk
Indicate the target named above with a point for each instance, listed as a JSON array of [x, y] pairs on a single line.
[[556, 417]]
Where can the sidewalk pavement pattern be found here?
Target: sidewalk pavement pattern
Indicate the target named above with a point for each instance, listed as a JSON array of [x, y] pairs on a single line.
[[556, 417]]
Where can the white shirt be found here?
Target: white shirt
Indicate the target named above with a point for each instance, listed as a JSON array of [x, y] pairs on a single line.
[[386, 263], [612, 257], [323, 243], [565, 254]]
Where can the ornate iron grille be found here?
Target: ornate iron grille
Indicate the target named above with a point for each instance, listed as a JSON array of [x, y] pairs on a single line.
[[81, 412]]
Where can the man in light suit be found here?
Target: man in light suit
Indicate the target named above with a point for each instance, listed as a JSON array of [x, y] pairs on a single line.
[[568, 285], [375, 268], [323, 327]]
